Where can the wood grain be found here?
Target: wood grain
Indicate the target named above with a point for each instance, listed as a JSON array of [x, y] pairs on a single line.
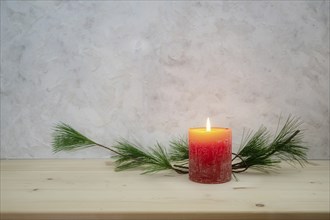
[[90, 189]]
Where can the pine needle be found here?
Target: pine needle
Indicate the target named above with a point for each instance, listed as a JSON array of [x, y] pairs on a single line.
[[161, 160], [179, 149], [65, 138], [130, 156]]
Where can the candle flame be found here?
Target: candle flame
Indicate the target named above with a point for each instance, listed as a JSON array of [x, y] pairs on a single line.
[[208, 124]]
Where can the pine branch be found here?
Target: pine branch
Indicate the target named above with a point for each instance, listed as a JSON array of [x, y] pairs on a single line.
[[134, 156], [260, 153], [65, 138], [128, 155], [256, 151]]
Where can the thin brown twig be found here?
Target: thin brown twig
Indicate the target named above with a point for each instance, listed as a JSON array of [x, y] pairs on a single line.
[[235, 166], [108, 148]]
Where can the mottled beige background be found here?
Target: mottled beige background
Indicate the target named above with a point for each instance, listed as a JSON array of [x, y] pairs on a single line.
[[150, 70]]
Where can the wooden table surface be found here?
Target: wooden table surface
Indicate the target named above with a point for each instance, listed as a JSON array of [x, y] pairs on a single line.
[[90, 189]]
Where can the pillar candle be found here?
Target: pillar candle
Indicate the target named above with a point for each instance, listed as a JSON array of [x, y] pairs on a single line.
[[210, 154]]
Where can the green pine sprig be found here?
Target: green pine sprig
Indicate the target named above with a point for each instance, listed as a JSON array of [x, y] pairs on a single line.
[[133, 156], [65, 138], [257, 151], [179, 150]]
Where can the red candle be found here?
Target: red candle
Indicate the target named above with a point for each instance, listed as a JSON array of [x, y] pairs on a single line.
[[210, 154]]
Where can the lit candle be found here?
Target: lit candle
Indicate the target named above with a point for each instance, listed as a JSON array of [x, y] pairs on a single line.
[[210, 154]]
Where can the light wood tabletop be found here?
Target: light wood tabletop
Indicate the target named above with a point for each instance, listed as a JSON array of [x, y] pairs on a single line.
[[91, 189]]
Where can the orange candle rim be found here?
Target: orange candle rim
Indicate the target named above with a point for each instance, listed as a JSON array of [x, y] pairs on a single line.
[[204, 128]]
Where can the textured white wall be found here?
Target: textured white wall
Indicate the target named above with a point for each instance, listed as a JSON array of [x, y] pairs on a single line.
[[150, 70]]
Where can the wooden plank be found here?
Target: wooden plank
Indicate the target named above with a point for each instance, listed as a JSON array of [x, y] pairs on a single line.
[[90, 189]]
